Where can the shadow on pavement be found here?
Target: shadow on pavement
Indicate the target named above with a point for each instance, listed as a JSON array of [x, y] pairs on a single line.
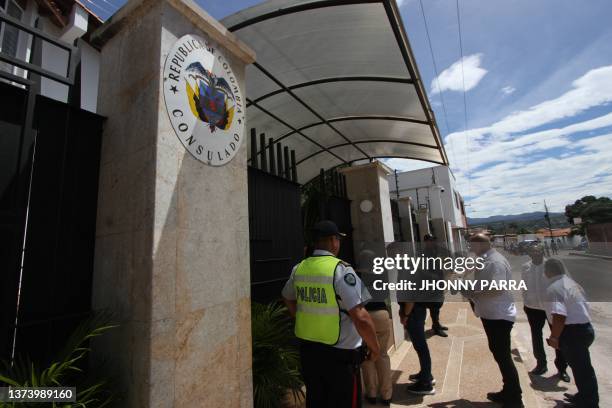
[[403, 397], [546, 383], [463, 403]]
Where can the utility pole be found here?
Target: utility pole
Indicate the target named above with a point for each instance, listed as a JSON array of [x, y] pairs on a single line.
[[547, 216]]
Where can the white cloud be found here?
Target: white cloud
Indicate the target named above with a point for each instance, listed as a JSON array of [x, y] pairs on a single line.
[[525, 165], [407, 164], [507, 90], [451, 79]]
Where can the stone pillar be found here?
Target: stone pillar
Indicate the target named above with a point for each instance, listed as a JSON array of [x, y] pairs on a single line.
[[364, 183], [373, 229], [172, 245], [405, 213]]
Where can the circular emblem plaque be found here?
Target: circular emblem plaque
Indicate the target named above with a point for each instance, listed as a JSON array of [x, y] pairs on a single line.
[[203, 100]]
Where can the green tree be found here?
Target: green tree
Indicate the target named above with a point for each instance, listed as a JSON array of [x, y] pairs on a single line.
[[591, 210]]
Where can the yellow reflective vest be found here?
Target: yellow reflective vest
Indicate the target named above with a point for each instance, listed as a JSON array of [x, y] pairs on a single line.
[[318, 313]]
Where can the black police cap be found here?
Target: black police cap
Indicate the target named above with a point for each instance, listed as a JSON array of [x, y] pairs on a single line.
[[326, 228]]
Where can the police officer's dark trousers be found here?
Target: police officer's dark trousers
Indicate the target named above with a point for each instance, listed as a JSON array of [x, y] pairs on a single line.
[[498, 337], [574, 342], [537, 318], [331, 375]]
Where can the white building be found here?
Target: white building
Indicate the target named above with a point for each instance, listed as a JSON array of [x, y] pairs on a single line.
[[437, 206], [68, 21]]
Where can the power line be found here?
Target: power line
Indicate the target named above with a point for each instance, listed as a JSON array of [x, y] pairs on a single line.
[[469, 172], [437, 81]]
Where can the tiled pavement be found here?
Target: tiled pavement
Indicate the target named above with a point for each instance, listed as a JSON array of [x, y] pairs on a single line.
[[465, 370]]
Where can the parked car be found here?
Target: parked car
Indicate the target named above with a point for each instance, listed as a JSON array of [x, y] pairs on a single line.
[[523, 246]]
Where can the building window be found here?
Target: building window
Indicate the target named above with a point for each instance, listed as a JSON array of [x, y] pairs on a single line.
[[9, 35]]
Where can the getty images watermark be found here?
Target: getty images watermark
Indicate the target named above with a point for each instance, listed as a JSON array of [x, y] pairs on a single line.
[[465, 268]]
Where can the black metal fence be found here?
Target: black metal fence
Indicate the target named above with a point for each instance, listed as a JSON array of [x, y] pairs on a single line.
[[275, 228]]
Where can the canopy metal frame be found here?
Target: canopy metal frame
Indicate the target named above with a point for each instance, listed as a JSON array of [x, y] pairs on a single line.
[[401, 37]]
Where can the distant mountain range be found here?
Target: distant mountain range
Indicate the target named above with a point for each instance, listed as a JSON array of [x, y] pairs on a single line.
[[530, 216]]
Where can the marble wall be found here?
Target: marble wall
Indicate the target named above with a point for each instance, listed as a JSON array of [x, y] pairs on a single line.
[[172, 246]]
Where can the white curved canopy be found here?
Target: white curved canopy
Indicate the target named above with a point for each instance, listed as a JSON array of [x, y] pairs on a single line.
[[336, 81]]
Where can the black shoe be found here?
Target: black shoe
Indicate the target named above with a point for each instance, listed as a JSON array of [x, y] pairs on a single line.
[[539, 370], [386, 403], [421, 388], [440, 333], [417, 377], [495, 396], [439, 327], [371, 400], [563, 376]]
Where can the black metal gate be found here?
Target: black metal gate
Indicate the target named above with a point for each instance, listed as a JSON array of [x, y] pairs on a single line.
[[16, 145], [54, 281], [57, 273], [49, 163], [276, 218], [275, 228]]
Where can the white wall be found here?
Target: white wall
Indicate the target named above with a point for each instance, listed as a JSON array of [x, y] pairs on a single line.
[[55, 59], [418, 183], [90, 75]]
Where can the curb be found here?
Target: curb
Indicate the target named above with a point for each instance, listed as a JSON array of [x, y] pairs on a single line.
[[608, 258]]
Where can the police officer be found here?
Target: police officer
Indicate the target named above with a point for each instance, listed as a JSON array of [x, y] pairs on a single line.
[[326, 298], [571, 332]]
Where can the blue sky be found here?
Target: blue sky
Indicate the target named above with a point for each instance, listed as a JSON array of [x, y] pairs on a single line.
[[538, 76]]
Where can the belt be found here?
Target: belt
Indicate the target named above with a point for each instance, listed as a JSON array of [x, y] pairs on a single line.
[[579, 325], [349, 356]]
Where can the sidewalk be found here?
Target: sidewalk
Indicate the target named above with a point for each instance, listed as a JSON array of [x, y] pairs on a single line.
[[587, 255], [465, 370]]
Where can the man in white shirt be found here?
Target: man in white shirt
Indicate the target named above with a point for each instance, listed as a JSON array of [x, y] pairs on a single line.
[[534, 299], [497, 312], [571, 331]]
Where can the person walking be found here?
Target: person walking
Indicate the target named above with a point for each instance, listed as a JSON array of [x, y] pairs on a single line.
[[377, 375], [497, 311], [534, 306], [412, 315], [326, 298], [571, 332], [435, 300], [554, 247], [413, 312]]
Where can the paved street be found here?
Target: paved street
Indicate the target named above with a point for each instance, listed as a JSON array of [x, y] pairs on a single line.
[[595, 276]]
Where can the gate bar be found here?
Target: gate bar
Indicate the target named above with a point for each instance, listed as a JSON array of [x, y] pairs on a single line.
[[272, 160], [279, 159], [293, 168], [254, 148], [286, 158], [262, 147]]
